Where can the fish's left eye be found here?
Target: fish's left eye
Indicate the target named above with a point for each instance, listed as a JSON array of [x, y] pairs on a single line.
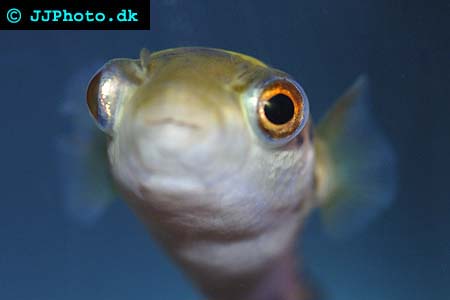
[[281, 109]]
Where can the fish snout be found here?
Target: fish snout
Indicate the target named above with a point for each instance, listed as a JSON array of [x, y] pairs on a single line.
[[172, 132]]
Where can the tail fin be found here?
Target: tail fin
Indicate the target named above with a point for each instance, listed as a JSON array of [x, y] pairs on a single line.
[[355, 164], [87, 186]]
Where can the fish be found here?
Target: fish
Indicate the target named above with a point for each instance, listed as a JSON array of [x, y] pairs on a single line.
[[218, 156]]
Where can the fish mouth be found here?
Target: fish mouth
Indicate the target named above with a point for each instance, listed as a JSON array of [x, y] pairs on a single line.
[[174, 138], [171, 121]]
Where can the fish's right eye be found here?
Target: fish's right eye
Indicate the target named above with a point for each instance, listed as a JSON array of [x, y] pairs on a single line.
[[92, 95], [108, 88], [101, 98]]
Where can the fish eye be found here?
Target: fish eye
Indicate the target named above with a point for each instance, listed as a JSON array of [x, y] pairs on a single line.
[[100, 98], [281, 109], [107, 90], [92, 94]]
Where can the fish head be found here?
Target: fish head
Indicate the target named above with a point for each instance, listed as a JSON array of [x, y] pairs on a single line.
[[207, 141]]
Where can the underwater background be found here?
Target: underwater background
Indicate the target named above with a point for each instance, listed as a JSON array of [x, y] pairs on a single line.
[[403, 46]]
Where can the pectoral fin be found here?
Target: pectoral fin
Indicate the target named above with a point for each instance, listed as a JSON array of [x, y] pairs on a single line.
[[86, 184], [355, 164]]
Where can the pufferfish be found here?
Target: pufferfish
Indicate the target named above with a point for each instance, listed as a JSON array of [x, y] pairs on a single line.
[[217, 155]]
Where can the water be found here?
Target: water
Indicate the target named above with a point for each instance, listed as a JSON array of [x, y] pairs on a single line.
[[403, 46]]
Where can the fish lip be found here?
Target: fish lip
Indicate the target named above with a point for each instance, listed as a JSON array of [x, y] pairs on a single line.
[[171, 121]]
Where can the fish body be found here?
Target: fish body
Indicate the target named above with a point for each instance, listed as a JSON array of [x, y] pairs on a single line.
[[215, 152]]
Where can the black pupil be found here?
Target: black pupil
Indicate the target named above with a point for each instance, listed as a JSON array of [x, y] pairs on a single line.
[[279, 109]]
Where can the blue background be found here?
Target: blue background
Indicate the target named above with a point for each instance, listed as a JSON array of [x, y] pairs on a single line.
[[404, 46]]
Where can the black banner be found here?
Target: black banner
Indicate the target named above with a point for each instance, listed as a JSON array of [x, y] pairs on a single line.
[[74, 14]]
